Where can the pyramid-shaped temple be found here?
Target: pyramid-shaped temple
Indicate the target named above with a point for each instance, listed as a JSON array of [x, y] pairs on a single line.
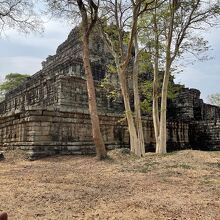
[[48, 113]]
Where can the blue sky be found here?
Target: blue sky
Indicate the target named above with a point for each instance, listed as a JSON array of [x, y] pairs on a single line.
[[24, 54]]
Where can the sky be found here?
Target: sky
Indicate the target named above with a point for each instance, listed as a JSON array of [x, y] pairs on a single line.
[[24, 53], [205, 75]]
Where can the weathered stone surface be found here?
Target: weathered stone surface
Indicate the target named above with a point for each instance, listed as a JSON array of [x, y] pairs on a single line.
[[205, 135], [188, 106], [48, 114]]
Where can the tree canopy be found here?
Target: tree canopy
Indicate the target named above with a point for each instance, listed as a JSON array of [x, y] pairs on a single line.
[[12, 80]]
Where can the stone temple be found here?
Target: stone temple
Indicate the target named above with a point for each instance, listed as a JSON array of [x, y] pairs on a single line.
[[48, 114]]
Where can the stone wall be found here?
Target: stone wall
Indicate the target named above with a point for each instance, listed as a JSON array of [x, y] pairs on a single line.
[[43, 133], [184, 103], [56, 119], [36, 91], [188, 105], [205, 135], [73, 95], [56, 90]]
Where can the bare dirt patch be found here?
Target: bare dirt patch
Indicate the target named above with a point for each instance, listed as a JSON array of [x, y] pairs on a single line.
[[180, 185]]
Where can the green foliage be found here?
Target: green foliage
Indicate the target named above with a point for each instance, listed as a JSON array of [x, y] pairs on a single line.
[[189, 17], [118, 38], [145, 63], [110, 83], [111, 69], [12, 80], [147, 91]]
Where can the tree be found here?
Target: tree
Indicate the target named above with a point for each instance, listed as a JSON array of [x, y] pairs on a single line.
[[87, 26], [88, 12], [214, 99], [12, 80], [19, 14], [174, 24], [122, 17]]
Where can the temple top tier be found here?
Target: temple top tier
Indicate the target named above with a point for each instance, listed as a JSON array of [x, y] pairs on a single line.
[[68, 61], [44, 89], [71, 49]]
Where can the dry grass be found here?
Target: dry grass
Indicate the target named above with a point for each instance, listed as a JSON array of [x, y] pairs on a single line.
[[180, 185]]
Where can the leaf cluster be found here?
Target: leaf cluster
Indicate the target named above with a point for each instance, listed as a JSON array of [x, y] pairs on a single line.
[[147, 91], [12, 80], [110, 83]]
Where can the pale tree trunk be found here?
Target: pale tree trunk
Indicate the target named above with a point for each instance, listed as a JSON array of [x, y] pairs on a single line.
[[156, 120], [122, 67], [140, 148], [128, 112], [96, 133], [122, 59], [134, 126], [155, 108], [162, 146]]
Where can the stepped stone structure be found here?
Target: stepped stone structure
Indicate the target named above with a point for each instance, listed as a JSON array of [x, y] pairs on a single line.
[[48, 113]]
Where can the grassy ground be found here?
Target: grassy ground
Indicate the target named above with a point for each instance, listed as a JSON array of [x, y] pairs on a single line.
[[180, 185]]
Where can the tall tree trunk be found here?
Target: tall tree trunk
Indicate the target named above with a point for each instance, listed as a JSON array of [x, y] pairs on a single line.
[[155, 112], [122, 59], [87, 26], [156, 120], [162, 146], [128, 112], [140, 148], [96, 133]]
